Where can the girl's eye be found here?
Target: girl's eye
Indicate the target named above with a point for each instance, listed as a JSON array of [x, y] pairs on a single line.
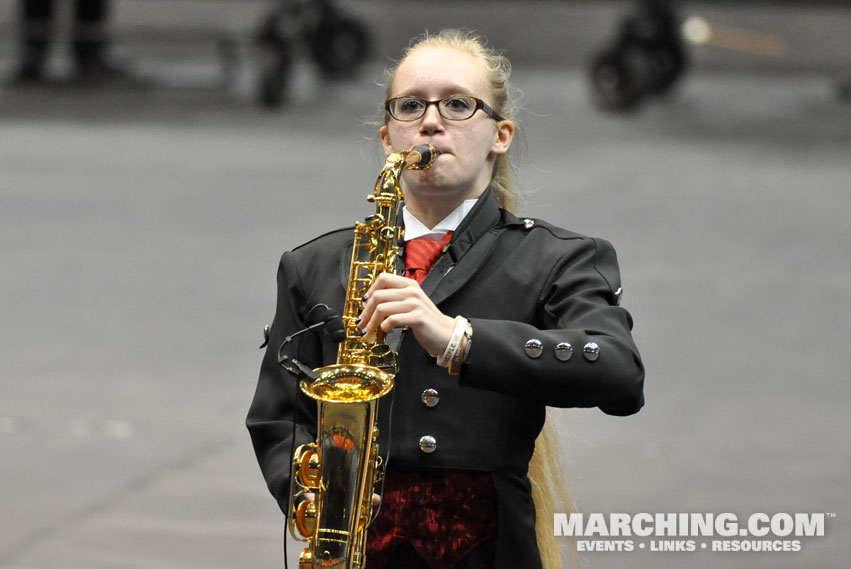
[[457, 103], [410, 105]]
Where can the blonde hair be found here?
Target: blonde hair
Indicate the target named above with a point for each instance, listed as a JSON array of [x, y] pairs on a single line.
[[551, 495], [504, 99]]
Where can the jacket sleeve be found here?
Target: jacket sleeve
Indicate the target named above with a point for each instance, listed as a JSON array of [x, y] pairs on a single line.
[[577, 305], [280, 417]]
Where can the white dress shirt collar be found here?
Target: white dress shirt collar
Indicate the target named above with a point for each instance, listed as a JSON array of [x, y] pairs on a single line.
[[415, 229]]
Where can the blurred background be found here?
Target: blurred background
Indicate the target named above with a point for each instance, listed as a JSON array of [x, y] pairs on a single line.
[[145, 200]]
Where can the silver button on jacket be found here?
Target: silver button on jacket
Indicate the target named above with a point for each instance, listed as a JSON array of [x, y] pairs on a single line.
[[534, 348], [564, 351], [430, 397], [591, 351], [428, 444]]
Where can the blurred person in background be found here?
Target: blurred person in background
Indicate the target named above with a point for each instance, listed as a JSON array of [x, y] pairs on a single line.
[[462, 489], [89, 39]]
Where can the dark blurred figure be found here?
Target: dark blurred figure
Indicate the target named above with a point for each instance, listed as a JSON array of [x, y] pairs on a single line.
[[88, 39], [335, 41], [645, 59]]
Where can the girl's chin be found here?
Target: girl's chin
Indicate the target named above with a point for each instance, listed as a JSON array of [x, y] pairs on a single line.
[[430, 177], [428, 182]]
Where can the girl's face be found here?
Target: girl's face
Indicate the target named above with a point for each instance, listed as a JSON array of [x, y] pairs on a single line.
[[468, 148]]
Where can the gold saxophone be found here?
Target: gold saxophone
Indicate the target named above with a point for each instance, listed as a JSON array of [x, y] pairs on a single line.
[[342, 466]]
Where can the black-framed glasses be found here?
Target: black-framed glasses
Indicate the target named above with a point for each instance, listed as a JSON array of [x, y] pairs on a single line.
[[453, 108]]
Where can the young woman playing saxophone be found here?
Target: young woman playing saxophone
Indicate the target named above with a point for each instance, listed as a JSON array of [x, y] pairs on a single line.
[[521, 313]]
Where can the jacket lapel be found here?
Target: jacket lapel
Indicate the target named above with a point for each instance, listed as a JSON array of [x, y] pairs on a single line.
[[471, 246]]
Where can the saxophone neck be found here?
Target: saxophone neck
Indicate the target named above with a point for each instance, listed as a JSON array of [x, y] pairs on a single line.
[[420, 157]]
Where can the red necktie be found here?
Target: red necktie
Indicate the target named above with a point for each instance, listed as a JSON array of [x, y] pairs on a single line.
[[420, 255]]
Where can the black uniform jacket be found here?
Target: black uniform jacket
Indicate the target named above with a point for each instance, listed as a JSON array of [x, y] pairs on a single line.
[[515, 280]]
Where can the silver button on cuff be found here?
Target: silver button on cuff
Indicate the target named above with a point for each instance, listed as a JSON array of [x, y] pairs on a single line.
[[428, 444], [564, 351], [591, 351], [430, 397], [529, 223], [534, 348]]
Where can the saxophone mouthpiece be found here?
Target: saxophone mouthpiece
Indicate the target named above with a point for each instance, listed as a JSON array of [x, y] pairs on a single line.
[[421, 156]]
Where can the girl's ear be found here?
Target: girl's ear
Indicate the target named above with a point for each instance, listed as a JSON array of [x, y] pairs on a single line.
[[504, 136], [385, 140]]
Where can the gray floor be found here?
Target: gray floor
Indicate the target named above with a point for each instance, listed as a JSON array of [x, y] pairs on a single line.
[[139, 238]]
